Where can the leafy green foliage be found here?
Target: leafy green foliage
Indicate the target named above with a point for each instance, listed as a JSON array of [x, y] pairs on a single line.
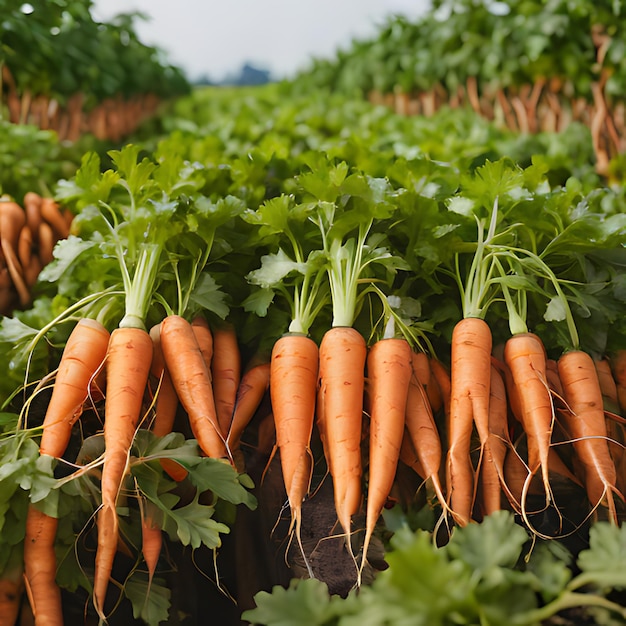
[[488, 573]]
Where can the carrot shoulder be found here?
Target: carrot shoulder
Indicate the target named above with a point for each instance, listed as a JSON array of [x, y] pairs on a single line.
[[128, 366], [342, 381]]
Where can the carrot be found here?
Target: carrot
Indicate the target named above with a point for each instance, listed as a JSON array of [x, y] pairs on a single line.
[[151, 538], [24, 247], [32, 208], [84, 354], [166, 403], [442, 377], [409, 457], [204, 338], [254, 383], [469, 404], [586, 424], [51, 213], [525, 356], [45, 238], [389, 371], [341, 378], [294, 367], [192, 382], [129, 357], [12, 220], [11, 591], [420, 425], [495, 445], [608, 386], [226, 373]]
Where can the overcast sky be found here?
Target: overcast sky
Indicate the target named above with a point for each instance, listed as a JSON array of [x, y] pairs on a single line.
[[214, 38]]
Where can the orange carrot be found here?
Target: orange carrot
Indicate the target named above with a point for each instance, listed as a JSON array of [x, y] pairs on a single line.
[[12, 220], [254, 383], [586, 424], [151, 538], [204, 337], [45, 238], [192, 382], [51, 213], [293, 371], [442, 378], [469, 404], [166, 403], [82, 357], [608, 385], [129, 357], [226, 373], [32, 208], [11, 591], [525, 356], [409, 457], [420, 425], [341, 378], [24, 249], [389, 371]]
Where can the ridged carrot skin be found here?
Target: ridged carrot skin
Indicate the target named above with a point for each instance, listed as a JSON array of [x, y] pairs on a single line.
[[470, 372], [226, 374], [129, 358], [586, 424], [294, 368], [82, 357], [342, 380], [186, 365], [389, 372], [525, 357]]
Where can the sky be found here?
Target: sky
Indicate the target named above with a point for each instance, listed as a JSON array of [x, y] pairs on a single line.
[[215, 38]]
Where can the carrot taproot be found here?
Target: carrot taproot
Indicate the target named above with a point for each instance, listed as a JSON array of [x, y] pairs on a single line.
[[470, 373], [420, 424], [497, 443], [51, 213], [586, 424], [11, 591], [254, 383], [12, 220], [24, 248], [525, 356], [166, 403], [129, 357], [408, 456], [608, 386], [204, 337], [192, 382], [46, 242], [151, 538], [32, 209], [342, 379], [82, 358], [389, 371], [442, 377], [225, 373], [294, 365]]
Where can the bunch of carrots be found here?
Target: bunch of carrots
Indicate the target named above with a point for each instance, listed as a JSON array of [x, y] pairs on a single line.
[[28, 235]]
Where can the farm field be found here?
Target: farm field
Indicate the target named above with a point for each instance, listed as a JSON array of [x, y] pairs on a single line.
[[317, 352]]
